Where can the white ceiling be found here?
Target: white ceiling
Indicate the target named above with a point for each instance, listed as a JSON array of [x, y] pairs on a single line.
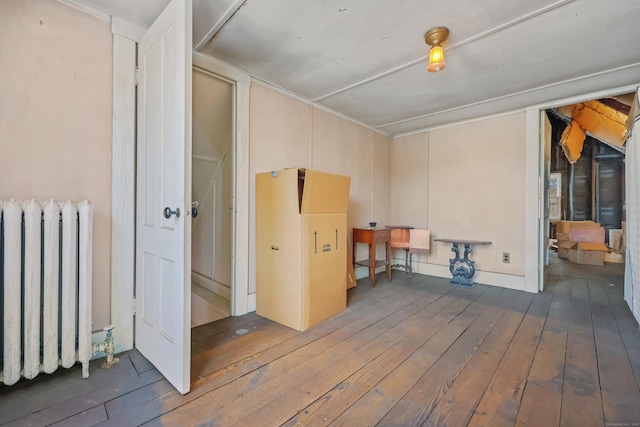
[[366, 58]]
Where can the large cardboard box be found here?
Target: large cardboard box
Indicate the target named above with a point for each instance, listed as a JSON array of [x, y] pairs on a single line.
[[565, 226], [588, 253], [301, 246], [587, 235]]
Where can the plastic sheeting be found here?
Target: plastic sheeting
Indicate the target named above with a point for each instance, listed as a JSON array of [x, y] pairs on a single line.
[[632, 264]]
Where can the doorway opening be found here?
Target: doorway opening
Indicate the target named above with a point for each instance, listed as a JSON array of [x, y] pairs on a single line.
[[212, 198], [585, 182]]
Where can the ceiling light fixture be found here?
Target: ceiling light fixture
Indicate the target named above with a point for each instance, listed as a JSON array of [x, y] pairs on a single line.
[[434, 38]]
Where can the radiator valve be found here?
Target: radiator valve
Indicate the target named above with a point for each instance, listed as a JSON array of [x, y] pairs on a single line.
[[108, 348]]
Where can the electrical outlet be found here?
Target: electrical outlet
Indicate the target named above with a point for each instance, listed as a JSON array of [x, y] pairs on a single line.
[[506, 257]]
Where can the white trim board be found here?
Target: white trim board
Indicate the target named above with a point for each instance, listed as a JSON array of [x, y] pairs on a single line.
[[123, 192], [211, 285], [252, 303], [502, 280]]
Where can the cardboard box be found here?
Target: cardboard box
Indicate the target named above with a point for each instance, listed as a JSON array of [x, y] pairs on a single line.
[[612, 257], [562, 236], [565, 226], [563, 248], [588, 253], [615, 239], [301, 246], [587, 235]]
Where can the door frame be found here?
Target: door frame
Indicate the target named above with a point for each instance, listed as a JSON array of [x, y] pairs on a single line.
[[125, 38], [240, 154], [534, 181]]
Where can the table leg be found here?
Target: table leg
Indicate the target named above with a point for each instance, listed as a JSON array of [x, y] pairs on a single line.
[[388, 258], [462, 269], [353, 252], [372, 261]]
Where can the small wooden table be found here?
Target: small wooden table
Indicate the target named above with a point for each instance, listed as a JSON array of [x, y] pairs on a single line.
[[373, 237], [462, 269]]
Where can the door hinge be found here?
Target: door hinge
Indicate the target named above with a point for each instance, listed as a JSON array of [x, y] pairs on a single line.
[[135, 76], [135, 307]]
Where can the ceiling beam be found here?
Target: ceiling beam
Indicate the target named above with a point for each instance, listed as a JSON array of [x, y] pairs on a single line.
[[215, 29]]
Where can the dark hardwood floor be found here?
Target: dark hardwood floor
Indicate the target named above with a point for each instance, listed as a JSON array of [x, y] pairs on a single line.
[[413, 351]]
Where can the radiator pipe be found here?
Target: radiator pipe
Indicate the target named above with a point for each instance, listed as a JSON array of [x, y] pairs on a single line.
[[108, 348]]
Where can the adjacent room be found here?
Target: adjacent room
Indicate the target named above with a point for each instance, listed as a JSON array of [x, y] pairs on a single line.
[[346, 212]]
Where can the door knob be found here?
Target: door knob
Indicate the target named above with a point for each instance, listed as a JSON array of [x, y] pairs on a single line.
[[194, 209], [168, 212]]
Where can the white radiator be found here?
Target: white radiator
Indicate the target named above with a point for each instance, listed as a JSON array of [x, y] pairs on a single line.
[[45, 287]]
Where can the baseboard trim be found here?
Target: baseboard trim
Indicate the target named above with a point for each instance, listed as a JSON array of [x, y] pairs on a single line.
[[251, 302], [490, 278], [211, 285]]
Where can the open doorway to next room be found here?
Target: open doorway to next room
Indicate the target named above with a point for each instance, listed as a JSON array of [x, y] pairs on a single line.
[[586, 184], [212, 196]]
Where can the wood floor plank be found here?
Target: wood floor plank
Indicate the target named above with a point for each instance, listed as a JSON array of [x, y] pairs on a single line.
[[205, 362], [444, 356], [407, 337], [298, 349], [540, 407], [581, 398], [267, 335], [423, 397], [89, 417], [158, 396], [500, 403], [343, 395], [86, 401], [134, 400], [629, 331], [140, 363], [620, 394], [458, 404], [200, 344], [408, 352], [541, 400], [261, 388], [49, 391]]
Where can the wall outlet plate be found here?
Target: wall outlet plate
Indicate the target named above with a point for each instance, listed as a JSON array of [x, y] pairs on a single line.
[[506, 257]]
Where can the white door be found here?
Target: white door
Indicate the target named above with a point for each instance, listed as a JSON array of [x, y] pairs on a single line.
[[163, 221]]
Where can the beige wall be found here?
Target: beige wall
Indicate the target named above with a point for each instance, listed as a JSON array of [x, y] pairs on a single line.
[[55, 117], [286, 132], [465, 181]]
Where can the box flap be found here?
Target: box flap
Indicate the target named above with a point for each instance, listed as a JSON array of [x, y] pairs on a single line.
[[567, 244], [593, 247], [325, 193]]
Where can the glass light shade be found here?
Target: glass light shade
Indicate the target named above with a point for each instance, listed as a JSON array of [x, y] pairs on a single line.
[[436, 59]]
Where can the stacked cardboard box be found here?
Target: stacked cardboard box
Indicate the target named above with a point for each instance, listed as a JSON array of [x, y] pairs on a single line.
[[564, 234], [581, 242]]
